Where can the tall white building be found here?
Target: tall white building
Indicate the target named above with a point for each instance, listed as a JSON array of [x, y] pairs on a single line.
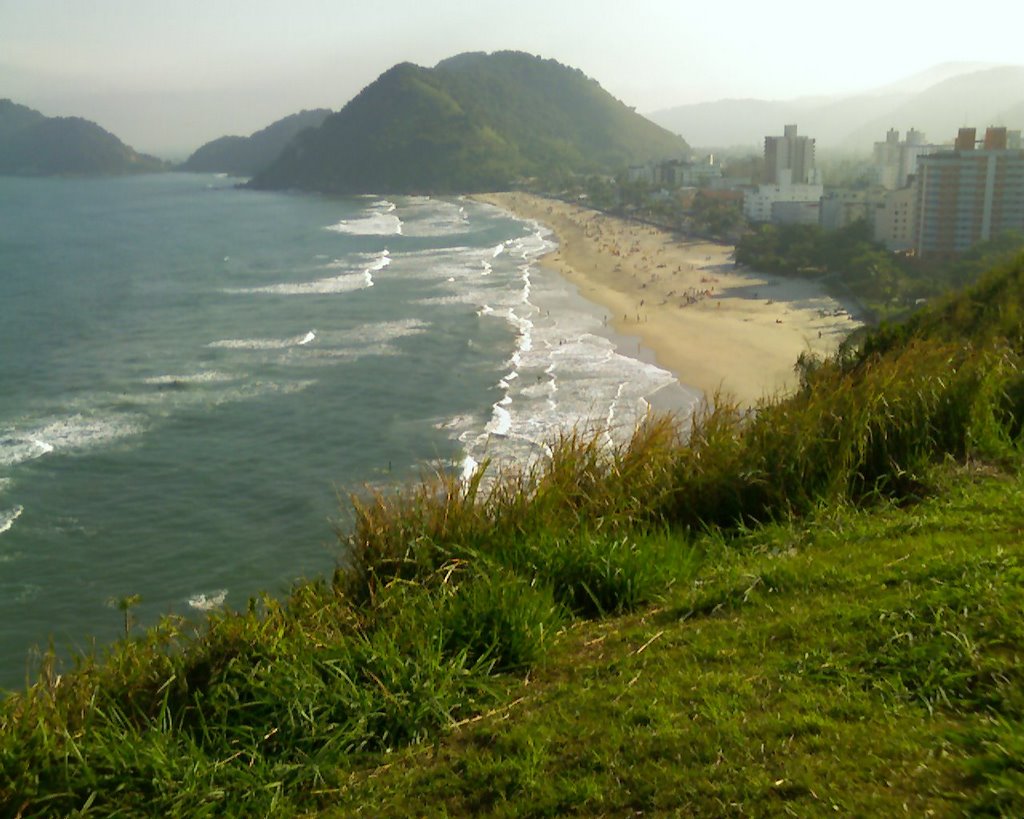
[[789, 159], [895, 161], [790, 181]]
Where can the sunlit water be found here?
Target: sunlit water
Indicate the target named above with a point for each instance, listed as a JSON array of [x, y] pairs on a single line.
[[191, 375]]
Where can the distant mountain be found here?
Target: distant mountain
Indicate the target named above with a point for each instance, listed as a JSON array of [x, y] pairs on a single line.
[[936, 102], [976, 99], [725, 123], [32, 144], [473, 122], [246, 156]]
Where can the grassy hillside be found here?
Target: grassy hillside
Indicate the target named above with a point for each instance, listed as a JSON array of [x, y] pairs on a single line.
[[813, 608], [859, 663], [474, 122]]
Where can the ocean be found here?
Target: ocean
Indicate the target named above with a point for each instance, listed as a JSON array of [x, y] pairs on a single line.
[[193, 377]]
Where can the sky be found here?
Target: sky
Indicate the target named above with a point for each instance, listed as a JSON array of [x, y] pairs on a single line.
[[168, 75]]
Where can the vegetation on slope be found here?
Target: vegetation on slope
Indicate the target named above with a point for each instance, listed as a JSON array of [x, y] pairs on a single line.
[[810, 641], [246, 156], [858, 662], [474, 122], [32, 144], [890, 285]]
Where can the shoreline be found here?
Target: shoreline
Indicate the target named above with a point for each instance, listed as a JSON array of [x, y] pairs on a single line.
[[714, 327]]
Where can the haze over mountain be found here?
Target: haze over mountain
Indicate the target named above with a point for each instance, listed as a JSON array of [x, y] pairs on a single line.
[[245, 156], [936, 102], [32, 144], [473, 122]]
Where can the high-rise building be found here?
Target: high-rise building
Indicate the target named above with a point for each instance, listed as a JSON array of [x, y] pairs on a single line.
[[894, 162], [790, 181], [789, 159], [969, 194]]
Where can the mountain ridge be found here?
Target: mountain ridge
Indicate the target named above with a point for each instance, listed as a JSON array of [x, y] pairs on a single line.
[[247, 155], [473, 122], [33, 144]]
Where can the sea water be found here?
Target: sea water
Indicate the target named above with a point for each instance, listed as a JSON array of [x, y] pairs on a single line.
[[194, 376]]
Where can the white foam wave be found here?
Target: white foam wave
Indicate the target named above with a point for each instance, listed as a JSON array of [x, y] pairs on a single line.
[[262, 343], [208, 602], [433, 217], [454, 423], [469, 468], [501, 421], [71, 433], [7, 518], [381, 220], [389, 330], [332, 285], [201, 377], [383, 261], [344, 283]]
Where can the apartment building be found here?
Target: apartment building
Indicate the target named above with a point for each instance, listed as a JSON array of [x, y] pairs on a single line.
[[969, 194]]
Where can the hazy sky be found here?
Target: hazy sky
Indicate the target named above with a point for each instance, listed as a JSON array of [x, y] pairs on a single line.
[[168, 75]]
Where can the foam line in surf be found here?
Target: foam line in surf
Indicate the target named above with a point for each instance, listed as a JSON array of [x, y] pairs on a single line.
[[262, 343], [69, 433], [501, 421], [208, 601], [382, 262], [8, 518], [201, 377], [379, 220]]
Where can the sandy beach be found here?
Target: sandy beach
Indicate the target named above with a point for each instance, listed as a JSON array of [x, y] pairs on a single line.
[[716, 327]]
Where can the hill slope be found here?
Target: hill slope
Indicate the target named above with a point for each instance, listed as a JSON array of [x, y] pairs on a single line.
[[246, 156], [32, 144], [473, 122]]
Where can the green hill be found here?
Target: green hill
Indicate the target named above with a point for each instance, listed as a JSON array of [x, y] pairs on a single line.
[[474, 122], [32, 144], [246, 156], [809, 610]]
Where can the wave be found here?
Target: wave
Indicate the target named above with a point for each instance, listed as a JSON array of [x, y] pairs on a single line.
[[262, 343], [380, 221], [329, 286], [7, 518], [426, 218], [564, 372], [501, 419], [345, 283], [207, 602], [72, 433], [201, 377]]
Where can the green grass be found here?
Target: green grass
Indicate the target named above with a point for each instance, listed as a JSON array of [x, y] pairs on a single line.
[[865, 663]]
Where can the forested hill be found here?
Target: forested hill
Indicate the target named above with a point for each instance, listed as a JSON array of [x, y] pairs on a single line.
[[245, 156], [474, 122], [32, 144]]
